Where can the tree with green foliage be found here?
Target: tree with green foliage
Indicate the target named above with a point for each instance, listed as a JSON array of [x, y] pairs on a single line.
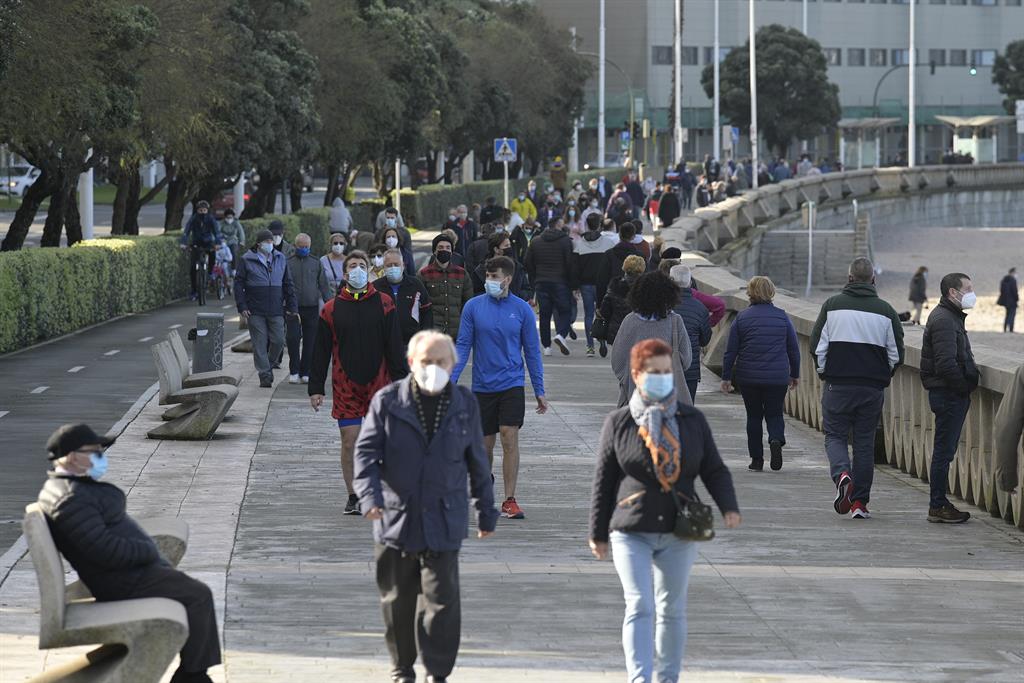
[[795, 99], [1008, 74]]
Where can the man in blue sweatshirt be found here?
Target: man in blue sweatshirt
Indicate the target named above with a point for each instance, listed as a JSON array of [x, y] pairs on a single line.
[[499, 329]]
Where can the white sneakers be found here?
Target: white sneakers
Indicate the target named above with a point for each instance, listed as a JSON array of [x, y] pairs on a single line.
[[560, 343], [547, 350], [305, 379], [293, 379]]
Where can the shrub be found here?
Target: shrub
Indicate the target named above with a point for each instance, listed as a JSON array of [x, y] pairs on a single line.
[[45, 293]]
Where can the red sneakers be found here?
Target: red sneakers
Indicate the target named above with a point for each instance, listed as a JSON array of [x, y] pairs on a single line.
[[510, 509], [859, 511], [843, 486]]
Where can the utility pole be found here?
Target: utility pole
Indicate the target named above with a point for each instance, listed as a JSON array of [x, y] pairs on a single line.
[[600, 89], [677, 106], [716, 114], [574, 153], [912, 117], [753, 97]]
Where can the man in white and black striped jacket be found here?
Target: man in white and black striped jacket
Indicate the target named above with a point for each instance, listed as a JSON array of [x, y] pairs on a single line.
[[857, 344]]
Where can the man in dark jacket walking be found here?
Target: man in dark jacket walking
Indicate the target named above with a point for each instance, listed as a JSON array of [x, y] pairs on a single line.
[[114, 557], [421, 441], [949, 374], [857, 343], [264, 294], [311, 289], [591, 255], [1009, 298], [549, 264], [415, 311], [695, 320]]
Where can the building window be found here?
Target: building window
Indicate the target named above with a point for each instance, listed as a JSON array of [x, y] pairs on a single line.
[[834, 56], [958, 2], [854, 0], [661, 54], [958, 57], [937, 57], [855, 56], [937, 2], [900, 57], [1014, 3], [986, 3], [983, 57], [878, 2], [689, 56], [722, 52], [877, 57]]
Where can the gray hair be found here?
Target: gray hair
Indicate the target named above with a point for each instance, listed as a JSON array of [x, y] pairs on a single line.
[[861, 269], [682, 275], [395, 252], [303, 236], [427, 338]]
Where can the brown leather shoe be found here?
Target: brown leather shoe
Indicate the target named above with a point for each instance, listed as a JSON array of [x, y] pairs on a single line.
[[947, 514]]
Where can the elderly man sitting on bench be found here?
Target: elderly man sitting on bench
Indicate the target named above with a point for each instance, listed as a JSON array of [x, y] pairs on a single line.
[[114, 557]]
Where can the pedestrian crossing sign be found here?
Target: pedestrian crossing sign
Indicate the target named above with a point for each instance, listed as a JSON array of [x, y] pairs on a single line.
[[505, 149]]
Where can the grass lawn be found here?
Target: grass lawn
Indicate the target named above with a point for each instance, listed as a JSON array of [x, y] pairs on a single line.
[[101, 195]]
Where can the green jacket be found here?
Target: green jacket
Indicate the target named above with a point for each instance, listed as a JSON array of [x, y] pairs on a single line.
[[233, 233]]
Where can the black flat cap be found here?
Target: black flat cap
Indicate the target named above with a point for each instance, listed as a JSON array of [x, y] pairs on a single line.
[[71, 437]]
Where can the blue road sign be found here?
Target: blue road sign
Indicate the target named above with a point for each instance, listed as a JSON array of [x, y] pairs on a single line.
[[505, 149]]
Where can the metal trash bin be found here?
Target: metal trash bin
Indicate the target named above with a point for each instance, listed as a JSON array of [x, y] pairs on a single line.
[[208, 348]]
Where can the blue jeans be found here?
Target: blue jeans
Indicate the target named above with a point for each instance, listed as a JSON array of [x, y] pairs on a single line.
[[764, 402], [655, 571], [589, 295], [553, 297], [950, 412], [851, 410]]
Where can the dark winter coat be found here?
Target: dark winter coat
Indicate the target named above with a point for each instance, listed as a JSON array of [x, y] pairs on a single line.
[[626, 494], [617, 255], [947, 361], [421, 485], [668, 208], [449, 289], [202, 230], [698, 328], [549, 259], [406, 301], [1008, 294], [91, 528], [615, 305], [762, 348], [592, 265], [264, 289], [918, 293]]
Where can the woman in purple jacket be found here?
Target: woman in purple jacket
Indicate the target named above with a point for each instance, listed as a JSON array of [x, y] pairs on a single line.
[[763, 359]]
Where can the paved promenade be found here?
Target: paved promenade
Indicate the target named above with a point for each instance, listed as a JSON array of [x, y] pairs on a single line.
[[796, 594]]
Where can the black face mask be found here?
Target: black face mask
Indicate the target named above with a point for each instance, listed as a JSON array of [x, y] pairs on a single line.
[[443, 256], [508, 252]]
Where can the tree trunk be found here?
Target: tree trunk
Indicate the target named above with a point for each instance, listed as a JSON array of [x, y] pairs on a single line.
[[453, 163], [174, 206], [54, 225], [73, 219], [34, 196], [133, 204], [262, 200], [295, 189], [332, 184], [431, 167], [122, 179]]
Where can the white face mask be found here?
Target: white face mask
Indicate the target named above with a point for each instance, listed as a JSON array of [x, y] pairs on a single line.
[[378, 261], [392, 242], [431, 379], [338, 249], [968, 300], [278, 239]]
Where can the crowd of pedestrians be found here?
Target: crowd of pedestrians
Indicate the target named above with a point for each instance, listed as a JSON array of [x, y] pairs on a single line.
[[417, 448]]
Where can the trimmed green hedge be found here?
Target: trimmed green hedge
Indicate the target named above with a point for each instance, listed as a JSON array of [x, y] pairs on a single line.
[[427, 206], [45, 293]]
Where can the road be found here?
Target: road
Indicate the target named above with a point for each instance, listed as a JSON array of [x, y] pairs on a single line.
[[93, 376]]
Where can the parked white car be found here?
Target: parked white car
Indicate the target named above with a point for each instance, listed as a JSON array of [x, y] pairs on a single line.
[[16, 180]]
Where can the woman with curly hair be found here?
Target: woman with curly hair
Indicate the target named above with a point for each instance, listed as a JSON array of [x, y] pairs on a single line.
[[652, 299]]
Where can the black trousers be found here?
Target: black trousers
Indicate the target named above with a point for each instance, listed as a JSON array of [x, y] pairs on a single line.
[[419, 596], [302, 329], [202, 649]]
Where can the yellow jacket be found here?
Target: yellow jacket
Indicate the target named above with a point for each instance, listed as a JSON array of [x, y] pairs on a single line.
[[524, 208]]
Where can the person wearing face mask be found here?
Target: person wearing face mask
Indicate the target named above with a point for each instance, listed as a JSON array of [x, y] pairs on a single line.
[[390, 218], [524, 206], [377, 261], [573, 223], [419, 459], [201, 237], [533, 194], [415, 310], [478, 251], [392, 239], [233, 232], [333, 262], [113, 556], [499, 244], [448, 285], [652, 450], [592, 206], [264, 294], [282, 245], [311, 290], [359, 331], [499, 330], [857, 344], [950, 375]]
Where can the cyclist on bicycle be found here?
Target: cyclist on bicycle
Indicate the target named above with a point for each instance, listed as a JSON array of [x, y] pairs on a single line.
[[201, 236]]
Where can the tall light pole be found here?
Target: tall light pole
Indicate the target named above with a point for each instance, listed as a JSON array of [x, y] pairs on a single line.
[[753, 98], [677, 105], [716, 114], [804, 8], [912, 118], [574, 152], [600, 90]]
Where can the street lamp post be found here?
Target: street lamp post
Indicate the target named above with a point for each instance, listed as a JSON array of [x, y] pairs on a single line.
[[716, 114], [677, 105], [600, 91], [629, 89], [912, 118], [753, 98]]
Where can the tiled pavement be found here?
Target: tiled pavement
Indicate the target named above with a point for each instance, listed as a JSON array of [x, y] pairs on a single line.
[[796, 594]]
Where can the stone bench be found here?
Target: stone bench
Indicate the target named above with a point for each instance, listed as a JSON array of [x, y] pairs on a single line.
[[198, 411], [138, 638], [189, 379]]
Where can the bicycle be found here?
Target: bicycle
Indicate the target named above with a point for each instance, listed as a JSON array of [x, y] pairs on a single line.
[[219, 283], [202, 275]]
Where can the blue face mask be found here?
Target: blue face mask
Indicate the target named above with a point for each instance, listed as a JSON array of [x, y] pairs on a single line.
[[393, 274], [302, 251], [266, 247], [656, 387], [493, 287], [357, 278], [99, 465]]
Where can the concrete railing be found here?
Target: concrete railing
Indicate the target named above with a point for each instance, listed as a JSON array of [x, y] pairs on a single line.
[[710, 228], [907, 422]]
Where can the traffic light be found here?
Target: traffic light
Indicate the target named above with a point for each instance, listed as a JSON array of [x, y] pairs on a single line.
[[636, 130], [973, 70]]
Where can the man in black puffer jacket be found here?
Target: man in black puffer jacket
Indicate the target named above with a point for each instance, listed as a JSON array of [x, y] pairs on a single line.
[[114, 557], [552, 272], [949, 374]]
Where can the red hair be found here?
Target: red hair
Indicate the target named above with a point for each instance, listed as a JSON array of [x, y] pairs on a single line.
[[648, 348]]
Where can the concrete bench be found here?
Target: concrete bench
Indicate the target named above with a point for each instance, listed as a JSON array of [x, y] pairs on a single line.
[[189, 379], [198, 411], [138, 638]]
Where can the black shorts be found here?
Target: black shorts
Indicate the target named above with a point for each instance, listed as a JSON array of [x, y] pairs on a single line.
[[502, 409]]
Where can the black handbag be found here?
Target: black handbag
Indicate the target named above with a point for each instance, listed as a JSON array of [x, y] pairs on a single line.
[[695, 521], [599, 329]]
